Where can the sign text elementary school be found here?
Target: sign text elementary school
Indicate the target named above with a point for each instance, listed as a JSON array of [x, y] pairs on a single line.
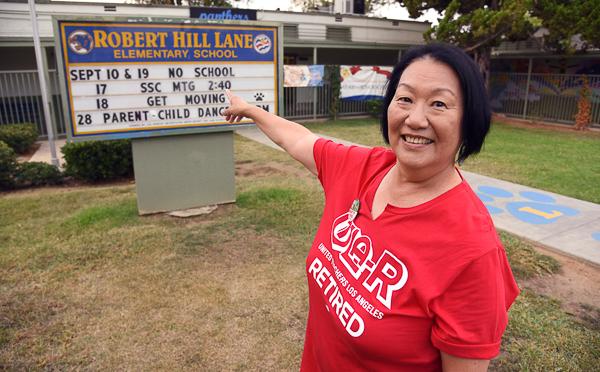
[[126, 80]]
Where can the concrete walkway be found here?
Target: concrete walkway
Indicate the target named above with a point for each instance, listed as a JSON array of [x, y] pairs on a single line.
[[558, 222], [43, 153]]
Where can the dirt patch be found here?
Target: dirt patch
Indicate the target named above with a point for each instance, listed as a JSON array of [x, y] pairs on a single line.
[[576, 285], [298, 171], [253, 169], [525, 123]]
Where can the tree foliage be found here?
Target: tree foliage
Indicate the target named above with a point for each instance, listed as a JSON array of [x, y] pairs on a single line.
[[216, 3], [479, 25], [583, 118], [307, 5], [572, 26]]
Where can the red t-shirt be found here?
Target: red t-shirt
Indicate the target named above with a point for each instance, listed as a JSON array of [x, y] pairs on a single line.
[[390, 294]]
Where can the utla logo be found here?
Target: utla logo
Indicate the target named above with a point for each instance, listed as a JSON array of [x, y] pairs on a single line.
[[384, 274]]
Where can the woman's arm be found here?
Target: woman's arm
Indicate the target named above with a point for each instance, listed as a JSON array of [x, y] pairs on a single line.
[[451, 363], [294, 138]]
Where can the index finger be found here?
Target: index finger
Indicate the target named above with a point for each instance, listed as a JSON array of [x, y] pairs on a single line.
[[228, 94]]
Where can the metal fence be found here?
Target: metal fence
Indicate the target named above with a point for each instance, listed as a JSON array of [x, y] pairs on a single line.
[[306, 102], [348, 108], [21, 100], [315, 102], [548, 97]]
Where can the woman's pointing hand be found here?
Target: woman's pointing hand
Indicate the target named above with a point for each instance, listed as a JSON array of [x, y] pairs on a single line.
[[238, 108]]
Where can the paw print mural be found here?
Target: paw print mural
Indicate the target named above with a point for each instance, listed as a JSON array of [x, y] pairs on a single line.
[[259, 97], [529, 206]]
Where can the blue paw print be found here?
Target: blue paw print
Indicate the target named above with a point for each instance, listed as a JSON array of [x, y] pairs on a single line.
[[536, 208]]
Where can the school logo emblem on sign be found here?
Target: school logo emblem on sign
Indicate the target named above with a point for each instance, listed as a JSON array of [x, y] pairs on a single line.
[[262, 44], [81, 42]]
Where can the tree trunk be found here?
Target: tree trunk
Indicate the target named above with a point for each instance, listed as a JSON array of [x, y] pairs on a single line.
[[483, 56]]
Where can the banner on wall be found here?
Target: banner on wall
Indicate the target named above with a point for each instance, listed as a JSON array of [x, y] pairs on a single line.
[[361, 83], [303, 76]]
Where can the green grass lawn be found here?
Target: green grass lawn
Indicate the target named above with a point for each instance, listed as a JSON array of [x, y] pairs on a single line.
[[88, 284], [566, 163]]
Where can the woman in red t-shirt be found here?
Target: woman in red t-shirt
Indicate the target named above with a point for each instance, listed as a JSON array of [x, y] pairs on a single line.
[[406, 271]]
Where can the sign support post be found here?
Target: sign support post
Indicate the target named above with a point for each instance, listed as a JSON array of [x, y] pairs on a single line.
[[314, 89], [179, 172], [43, 86]]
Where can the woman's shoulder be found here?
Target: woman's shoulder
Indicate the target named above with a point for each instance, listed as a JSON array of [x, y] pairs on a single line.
[[352, 153], [347, 165], [465, 216], [332, 144]]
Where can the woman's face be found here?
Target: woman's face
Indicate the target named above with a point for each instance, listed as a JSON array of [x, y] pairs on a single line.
[[424, 117]]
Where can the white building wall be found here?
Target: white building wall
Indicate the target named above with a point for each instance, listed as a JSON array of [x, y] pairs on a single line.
[[384, 36], [312, 32], [15, 23], [15, 19]]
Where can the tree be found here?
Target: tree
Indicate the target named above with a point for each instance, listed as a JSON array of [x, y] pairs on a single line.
[[217, 3], [583, 118], [571, 26], [315, 4], [311, 4], [479, 25]]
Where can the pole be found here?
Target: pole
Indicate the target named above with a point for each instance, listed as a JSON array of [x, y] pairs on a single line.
[[527, 88], [315, 88], [42, 78]]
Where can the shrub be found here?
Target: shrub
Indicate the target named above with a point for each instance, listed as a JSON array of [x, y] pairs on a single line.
[[37, 174], [583, 118], [8, 166], [332, 74], [19, 136], [374, 107], [98, 160]]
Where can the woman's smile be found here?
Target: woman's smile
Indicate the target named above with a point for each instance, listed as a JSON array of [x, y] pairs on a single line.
[[416, 140]]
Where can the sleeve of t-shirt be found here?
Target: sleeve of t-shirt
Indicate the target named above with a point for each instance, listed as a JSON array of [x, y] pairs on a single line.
[[472, 314], [334, 160]]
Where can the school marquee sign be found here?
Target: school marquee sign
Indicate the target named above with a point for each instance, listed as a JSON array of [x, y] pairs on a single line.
[[141, 79]]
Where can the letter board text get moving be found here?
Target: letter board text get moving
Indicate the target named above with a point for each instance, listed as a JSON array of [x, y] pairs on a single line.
[[128, 80]]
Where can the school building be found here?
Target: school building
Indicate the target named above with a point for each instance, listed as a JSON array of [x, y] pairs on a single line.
[[520, 86]]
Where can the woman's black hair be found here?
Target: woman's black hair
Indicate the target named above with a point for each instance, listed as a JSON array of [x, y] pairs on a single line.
[[476, 108]]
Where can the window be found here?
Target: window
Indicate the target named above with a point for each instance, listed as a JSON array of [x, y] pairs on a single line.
[[339, 33], [290, 32]]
